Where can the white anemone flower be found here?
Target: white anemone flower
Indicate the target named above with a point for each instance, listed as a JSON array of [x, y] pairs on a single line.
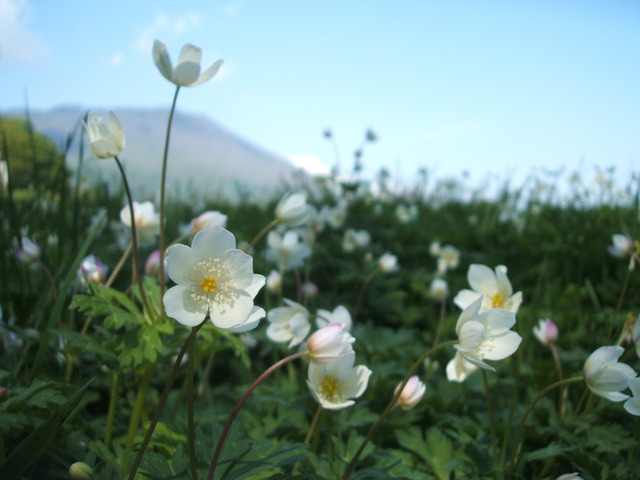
[[339, 315], [287, 251], [293, 210], [486, 335], [334, 385], [208, 219], [147, 221], [605, 376], [459, 368], [546, 331], [187, 73], [289, 323], [213, 278], [388, 263], [621, 245], [632, 405], [494, 289], [411, 394], [106, 137]]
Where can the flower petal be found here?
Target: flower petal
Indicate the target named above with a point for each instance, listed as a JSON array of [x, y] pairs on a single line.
[[186, 73], [240, 266], [502, 346], [180, 262], [232, 315], [179, 304], [482, 279], [208, 74], [212, 242], [162, 60]]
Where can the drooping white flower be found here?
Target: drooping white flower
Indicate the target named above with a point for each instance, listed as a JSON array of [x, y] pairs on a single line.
[[208, 219], [287, 251], [388, 263], [546, 331], [293, 209], [106, 137], [274, 281], [329, 343], [621, 245], [289, 323], [91, 270], [494, 289], [486, 335], [336, 384], [213, 278], [439, 289], [632, 405], [27, 251], [187, 72], [339, 315], [605, 376], [146, 218], [411, 394], [459, 368]]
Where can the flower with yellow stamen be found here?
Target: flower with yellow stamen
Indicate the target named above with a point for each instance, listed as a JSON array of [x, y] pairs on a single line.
[[336, 384], [493, 286]]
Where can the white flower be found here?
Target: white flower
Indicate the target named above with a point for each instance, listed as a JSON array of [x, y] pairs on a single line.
[[293, 210], [106, 137], [411, 394], [329, 343], [289, 323], [334, 216], [187, 72], [621, 246], [339, 315], [91, 270], [334, 385], [208, 219], [607, 377], [459, 368], [486, 335], [406, 213], [439, 289], [546, 331], [147, 221], [388, 263], [274, 281], [287, 251], [28, 251], [494, 289], [213, 278], [355, 239], [4, 175], [570, 476], [632, 405], [448, 258]]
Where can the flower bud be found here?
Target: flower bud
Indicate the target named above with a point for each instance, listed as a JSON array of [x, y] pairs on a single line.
[[411, 394], [329, 343], [293, 209], [546, 331], [80, 471]]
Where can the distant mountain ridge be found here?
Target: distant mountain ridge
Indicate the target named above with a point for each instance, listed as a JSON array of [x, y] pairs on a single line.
[[202, 154]]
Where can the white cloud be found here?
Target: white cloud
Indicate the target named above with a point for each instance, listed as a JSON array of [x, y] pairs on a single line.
[[310, 163], [18, 45], [166, 26]]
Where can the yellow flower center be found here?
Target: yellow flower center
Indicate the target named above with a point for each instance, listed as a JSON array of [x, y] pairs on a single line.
[[329, 387], [208, 284], [498, 300]]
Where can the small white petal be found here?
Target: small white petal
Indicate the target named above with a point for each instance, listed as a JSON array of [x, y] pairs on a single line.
[[179, 304]]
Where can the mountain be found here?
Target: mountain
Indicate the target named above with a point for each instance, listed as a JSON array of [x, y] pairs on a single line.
[[203, 156]]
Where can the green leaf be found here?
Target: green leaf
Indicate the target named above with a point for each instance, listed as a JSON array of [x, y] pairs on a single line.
[[30, 449]]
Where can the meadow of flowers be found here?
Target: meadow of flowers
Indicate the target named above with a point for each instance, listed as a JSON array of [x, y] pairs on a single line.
[[341, 329]]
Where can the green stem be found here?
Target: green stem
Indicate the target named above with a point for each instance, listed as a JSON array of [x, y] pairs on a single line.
[[134, 240], [136, 414], [492, 425], [556, 359], [163, 400], [112, 410], [262, 232], [313, 425], [354, 461], [520, 430], [163, 182], [625, 285], [365, 284], [241, 402], [191, 431]]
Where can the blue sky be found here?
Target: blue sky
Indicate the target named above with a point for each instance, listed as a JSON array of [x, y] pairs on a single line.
[[495, 88]]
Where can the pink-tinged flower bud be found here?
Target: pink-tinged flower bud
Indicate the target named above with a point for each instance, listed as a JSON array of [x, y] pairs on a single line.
[[411, 394], [621, 246], [92, 270], [330, 343], [546, 331], [152, 266]]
